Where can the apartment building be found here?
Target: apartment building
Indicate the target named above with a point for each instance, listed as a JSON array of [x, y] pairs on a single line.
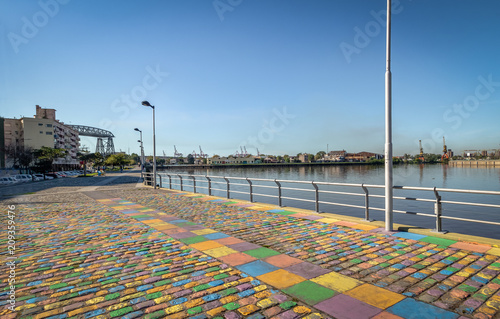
[[43, 129]]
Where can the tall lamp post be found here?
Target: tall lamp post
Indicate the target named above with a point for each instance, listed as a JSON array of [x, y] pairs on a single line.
[[146, 103], [388, 127], [142, 151]]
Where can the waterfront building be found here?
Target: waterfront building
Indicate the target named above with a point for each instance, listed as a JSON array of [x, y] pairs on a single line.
[[335, 156], [304, 158], [250, 159], [43, 129]]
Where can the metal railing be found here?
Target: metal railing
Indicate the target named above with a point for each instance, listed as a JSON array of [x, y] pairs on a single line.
[[277, 184]]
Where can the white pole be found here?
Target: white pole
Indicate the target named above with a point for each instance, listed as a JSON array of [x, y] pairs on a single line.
[[154, 149], [388, 127], [142, 157]]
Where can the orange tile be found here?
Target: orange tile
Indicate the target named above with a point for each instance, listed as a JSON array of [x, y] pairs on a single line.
[[386, 315], [229, 241], [209, 244], [237, 259], [282, 261], [344, 223], [375, 296], [281, 278], [471, 247]]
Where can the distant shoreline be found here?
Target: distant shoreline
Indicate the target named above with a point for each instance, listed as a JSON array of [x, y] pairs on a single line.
[[264, 165]]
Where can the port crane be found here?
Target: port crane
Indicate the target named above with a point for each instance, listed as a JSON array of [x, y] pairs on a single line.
[[202, 155], [421, 156], [445, 151], [177, 154]]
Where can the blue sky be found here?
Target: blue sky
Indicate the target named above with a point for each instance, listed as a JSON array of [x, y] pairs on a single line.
[[281, 76]]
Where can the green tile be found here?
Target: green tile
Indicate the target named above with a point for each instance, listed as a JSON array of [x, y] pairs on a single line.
[[285, 213], [140, 216], [193, 240], [262, 252], [310, 292], [438, 241]]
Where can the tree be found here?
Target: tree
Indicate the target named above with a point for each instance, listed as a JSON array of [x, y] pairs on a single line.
[[190, 159], [319, 155], [21, 155], [135, 157], [279, 159], [87, 157], [26, 157], [310, 157], [98, 160], [117, 160], [45, 157], [286, 158]]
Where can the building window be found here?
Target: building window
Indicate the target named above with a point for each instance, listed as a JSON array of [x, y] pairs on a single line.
[[40, 124], [48, 133], [49, 125], [41, 132]]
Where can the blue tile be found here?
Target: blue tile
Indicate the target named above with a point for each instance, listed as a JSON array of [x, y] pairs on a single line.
[[411, 309], [408, 235], [215, 236], [257, 268]]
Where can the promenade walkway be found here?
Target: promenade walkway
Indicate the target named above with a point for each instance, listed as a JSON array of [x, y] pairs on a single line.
[[117, 250]]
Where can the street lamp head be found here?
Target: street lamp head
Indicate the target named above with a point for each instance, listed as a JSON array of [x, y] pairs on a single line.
[[136, 129], [146, 103], [139, 141]]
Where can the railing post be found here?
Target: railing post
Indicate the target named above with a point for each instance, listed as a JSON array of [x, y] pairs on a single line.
[[251, 190], [227, 181], [367, 203], [279, 193], [209, 185], [438, 211], [194, 184], [161, 184], [169, 181], [316, 196], [180, 177]]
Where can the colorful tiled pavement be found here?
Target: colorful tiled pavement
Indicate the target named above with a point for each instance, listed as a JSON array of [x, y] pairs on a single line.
[[299, 252], [94, 262], [185, 255]]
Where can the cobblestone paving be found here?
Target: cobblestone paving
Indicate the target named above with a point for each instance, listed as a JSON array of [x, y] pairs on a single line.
[[86, 260], [447, 274], [139, 253]]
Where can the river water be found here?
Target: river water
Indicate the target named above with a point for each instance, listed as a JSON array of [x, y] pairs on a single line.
[[437, 175]]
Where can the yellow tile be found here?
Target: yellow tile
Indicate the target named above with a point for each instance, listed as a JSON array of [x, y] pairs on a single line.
[[220, 252], [494, 251], [205, 231], [281, 278], [327, 220], [206, 245], [375, 296], [364, 227], [337, 282], [261, 208]]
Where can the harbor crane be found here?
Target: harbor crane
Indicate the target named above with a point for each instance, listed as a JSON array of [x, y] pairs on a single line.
[[445, 151], [177, 154], [202, 155], [421, 156]]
